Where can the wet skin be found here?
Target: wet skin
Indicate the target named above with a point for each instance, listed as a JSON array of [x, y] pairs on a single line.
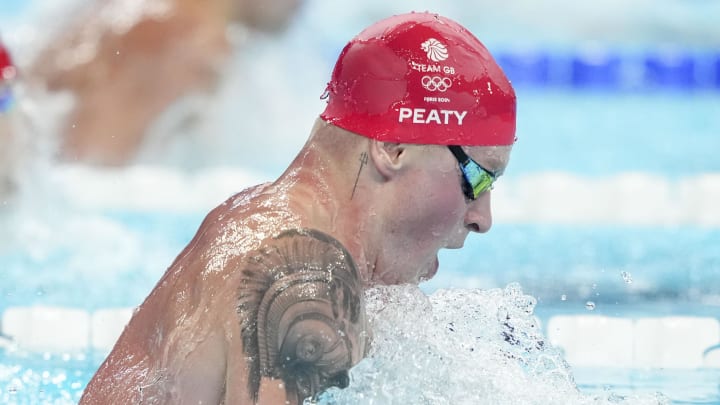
[[265, 303], [196, 337]]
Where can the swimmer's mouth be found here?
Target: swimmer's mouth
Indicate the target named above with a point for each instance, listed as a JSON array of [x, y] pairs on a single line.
[[460, 242]]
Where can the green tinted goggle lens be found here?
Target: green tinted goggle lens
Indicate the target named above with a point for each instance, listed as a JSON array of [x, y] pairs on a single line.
[[477, 179]]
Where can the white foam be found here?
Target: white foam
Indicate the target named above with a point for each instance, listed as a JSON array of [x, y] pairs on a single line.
[[461, 347]]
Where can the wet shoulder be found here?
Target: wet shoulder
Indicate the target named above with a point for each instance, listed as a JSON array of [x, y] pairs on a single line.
[[238, 226]]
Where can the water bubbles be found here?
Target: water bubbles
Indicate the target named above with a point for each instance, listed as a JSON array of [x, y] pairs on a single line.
[[487, 343], [590, 306], [627, 277]]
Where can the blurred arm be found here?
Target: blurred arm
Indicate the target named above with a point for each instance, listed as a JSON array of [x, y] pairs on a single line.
[[124, 67]]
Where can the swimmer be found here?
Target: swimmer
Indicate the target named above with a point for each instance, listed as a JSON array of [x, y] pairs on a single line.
[[125, 63], [8, 142], [265, 305]]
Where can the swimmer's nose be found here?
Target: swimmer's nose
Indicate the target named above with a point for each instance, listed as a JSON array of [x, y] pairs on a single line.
[[479, 214]]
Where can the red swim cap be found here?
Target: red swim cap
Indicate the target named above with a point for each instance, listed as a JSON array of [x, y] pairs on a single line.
[[7, 70], [421, 78]]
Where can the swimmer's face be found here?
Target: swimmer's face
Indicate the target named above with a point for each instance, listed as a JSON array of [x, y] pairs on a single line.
[[268, 15], [437, 212]]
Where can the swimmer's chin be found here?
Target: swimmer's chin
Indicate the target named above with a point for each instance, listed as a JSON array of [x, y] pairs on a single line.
[[431, 271], [457, 245]]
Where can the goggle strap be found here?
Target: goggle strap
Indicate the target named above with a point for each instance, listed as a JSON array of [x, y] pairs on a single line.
[[460, 154]]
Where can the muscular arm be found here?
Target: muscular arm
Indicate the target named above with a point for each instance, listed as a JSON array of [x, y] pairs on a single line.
[[301, 312]]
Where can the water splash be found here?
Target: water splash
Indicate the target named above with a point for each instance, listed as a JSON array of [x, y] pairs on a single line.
[[461, 347]]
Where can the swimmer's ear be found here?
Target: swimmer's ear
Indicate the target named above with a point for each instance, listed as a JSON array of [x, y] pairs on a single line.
[[387, 157]]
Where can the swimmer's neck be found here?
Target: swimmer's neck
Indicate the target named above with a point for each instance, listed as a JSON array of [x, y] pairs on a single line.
[[320, 191]]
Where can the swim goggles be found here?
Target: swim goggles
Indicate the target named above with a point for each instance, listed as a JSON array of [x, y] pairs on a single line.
[[476, 179]]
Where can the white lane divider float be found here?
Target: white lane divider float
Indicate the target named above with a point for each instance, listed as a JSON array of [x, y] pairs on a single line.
[[628, 198], [678, 342]]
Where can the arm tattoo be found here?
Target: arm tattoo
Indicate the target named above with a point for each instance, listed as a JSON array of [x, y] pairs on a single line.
[[302, 314]]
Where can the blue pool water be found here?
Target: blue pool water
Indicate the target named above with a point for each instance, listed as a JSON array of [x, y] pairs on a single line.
[[59, 379], [29, 379], [611, 195], [662, 228], [583, 262]]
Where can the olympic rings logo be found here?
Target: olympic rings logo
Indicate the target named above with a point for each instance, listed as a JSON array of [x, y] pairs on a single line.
[[436, 83]]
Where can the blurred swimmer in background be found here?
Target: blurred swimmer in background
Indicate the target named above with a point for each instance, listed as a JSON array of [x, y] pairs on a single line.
[[8, 142], [126, 62]]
